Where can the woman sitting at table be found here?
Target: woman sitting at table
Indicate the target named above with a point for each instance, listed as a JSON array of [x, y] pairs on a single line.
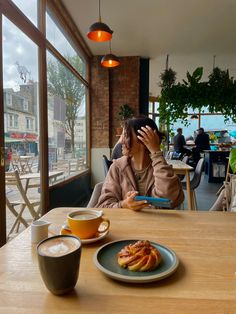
[[142, 170]]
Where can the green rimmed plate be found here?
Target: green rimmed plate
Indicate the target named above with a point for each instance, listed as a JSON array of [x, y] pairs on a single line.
[[106, 261]]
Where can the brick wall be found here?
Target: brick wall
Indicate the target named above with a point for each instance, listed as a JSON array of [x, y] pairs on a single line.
[[110, 89]]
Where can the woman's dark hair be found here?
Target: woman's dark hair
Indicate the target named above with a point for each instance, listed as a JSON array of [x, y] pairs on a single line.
[[136, 124]]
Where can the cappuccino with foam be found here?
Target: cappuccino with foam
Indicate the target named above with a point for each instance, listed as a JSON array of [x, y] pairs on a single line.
[[58, 246], [59, 261]]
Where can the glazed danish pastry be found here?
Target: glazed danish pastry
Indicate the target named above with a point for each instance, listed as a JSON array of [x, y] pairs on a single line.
[[139, 256]]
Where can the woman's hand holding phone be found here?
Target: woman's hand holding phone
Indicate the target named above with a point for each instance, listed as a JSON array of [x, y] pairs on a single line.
[[131, 203]]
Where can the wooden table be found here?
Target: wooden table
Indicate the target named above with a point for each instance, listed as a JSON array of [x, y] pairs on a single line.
[[181, 167], [205, 281], [52, 175]]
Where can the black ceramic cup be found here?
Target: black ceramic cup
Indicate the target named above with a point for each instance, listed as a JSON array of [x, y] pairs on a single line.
[[59, 261]]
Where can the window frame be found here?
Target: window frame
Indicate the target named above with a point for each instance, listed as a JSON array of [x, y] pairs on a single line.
[[37, 35]]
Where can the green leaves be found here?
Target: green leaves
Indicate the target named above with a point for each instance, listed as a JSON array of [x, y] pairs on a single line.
[[125, 112], [168, 78], [217, 95]]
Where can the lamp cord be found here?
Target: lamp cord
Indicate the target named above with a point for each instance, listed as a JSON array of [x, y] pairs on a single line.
[[167, 62], [99, 10], [214, 61], [110, 45]]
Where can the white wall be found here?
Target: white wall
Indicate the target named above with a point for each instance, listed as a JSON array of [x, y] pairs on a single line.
[[181, 64]]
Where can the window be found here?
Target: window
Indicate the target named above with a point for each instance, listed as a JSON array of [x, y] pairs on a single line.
[[66, 119], [64, 45], [29, 123], [25, 105], [208, 121], [30, 10], [13, 121], [153, 109], [21, 42], [8, 99]]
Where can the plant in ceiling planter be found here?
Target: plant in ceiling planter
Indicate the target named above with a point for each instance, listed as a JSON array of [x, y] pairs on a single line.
[[126, 112], [216, 95], [168, 78]]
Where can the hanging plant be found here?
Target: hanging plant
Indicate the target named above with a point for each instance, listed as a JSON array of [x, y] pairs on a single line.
[[217, 95], [168, 78]]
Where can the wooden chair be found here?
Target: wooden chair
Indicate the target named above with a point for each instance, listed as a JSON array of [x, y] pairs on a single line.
[[226, 200], [229, 168], [15, 162], [18, 206]]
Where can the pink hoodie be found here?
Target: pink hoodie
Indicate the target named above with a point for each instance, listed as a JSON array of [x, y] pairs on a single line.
[[162, 182]]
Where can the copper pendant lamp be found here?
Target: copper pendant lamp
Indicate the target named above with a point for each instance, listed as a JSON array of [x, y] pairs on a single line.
[[99, 31], [110, 60]]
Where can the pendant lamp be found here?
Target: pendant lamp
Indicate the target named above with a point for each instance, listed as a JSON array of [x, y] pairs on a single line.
[[110, 60], [99, 31]]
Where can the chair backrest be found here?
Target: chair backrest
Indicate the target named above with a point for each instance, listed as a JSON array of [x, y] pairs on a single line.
[[117, 151], [106, 164], [95, 195], [185, 159], [197, 174]]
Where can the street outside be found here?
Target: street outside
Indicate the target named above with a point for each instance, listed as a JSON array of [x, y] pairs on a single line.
[[67, 169]]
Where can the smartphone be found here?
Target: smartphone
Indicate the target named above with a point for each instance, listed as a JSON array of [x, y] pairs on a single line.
[[155, 201]]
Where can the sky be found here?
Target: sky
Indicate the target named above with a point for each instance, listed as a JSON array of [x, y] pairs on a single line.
[[17, 47]]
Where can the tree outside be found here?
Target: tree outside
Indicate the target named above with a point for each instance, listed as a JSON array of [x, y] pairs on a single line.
[[65, 84]]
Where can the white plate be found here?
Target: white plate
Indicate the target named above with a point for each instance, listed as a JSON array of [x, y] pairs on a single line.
[[106, 261], [99, 237]]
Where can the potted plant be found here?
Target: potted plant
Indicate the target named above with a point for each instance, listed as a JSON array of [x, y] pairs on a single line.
[[126, 112]]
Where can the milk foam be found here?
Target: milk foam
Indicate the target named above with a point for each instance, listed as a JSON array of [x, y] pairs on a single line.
[[58, 249], [84, 216], [59, 246]]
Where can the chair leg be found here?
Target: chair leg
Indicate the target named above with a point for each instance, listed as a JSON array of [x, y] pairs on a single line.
[[19, 219], [194, 201]]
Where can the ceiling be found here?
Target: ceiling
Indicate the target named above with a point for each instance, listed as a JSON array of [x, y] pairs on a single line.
[[150, 28]]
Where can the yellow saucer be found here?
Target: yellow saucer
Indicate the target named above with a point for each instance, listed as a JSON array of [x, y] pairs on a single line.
[[98, 237]]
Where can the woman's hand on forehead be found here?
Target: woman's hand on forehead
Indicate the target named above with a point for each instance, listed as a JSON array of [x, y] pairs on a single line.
[[149, 138]]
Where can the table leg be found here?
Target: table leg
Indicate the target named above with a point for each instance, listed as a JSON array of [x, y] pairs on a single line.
[[189, 194]]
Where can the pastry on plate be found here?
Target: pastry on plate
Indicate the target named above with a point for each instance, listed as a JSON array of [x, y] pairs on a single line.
[[139, 256]]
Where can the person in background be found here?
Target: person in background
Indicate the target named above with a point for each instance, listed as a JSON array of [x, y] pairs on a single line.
[[179, 144], [9, 154], [224, 137], [202, 142], [142, 170]]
